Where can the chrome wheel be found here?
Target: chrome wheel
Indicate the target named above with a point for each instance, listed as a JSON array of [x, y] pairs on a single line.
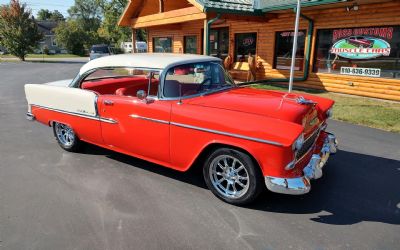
[[65, 134], [229, 176]]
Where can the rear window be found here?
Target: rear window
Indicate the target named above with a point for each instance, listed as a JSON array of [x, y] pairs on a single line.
[[99, 49]]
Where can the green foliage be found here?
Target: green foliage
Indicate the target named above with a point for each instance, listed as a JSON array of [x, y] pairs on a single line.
[[94, 22], [80, 31], [109, 28], [18, 31], [45, 14], [46, 50], [71, 36], [57, 16], [87, 13], [141, 35]]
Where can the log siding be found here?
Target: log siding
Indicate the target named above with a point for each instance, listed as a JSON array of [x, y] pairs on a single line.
[[368, 15]]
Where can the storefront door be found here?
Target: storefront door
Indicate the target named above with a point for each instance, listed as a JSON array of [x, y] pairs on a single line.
[[219, 42]]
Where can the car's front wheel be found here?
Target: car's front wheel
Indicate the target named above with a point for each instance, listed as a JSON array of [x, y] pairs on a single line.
[[66, 137], [233, 176]]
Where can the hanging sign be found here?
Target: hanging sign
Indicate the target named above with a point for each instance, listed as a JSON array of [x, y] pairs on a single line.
[[361, 47], [362, 43]]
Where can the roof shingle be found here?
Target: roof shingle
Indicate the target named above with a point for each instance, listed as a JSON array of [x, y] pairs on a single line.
[[233, 5]]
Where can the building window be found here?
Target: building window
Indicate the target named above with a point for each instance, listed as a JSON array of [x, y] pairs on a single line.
[[368, 51], [245, 44], [53, 41], [283, 50], [190, 45], [162, 44]]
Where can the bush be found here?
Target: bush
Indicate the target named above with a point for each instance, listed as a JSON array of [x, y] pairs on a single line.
[[46, 50]]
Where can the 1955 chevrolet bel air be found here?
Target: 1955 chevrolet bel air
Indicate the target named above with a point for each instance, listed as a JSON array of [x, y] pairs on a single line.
[[178, 110]]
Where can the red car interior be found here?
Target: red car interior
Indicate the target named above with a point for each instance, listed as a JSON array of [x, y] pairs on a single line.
[[132, 89], [127, 86]]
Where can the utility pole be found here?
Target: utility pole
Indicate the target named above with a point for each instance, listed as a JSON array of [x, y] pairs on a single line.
[[294, 51]]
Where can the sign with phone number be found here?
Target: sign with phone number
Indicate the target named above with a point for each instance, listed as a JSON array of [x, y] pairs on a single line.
[[360, 71]]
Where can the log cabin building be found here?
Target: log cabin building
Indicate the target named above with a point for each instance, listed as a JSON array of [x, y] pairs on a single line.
[[344, 46]]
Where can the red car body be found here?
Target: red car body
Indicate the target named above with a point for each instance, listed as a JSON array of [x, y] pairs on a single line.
[[360, 42], [175, 133]]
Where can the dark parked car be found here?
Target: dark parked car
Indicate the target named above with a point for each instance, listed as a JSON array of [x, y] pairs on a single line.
[[99, 50]]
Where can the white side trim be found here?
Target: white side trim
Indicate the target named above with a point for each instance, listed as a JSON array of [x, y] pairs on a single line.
[[72, 100]]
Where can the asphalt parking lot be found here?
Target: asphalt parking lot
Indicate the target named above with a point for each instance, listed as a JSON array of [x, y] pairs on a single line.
[[51, 199]]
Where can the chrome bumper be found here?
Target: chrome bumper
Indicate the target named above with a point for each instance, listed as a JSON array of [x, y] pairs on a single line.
[[30, 116], [313, 170]]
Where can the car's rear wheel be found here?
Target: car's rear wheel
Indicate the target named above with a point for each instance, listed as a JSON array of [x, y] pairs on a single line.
[[66, 137], [233, 176]]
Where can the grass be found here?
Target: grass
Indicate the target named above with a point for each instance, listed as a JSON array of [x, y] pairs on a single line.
[[42, 56], [369, 112]]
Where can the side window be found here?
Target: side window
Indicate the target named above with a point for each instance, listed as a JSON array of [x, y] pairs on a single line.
[[122, 81], [195, 78]]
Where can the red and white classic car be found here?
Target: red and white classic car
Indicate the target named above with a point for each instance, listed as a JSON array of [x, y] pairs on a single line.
[[178, 110]]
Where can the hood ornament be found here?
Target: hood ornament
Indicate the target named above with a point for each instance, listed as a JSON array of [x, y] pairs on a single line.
[[303, 101]]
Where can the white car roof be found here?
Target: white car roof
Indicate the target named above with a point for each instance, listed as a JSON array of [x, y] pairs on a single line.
[[144, 60]]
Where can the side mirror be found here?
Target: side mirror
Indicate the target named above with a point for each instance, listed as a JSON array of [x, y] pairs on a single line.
[[141, 95]]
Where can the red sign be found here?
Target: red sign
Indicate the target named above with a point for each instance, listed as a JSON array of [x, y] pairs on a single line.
[[383, 32], [248, 41], [291, 33]]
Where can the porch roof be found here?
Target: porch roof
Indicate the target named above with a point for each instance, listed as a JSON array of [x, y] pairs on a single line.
[[272, 5], [230, 5], [245, 7]]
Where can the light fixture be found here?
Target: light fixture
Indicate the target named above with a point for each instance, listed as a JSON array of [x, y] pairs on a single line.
[[352, 8]]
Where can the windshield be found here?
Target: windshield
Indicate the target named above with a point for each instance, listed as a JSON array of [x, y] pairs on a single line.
[[196, 78]]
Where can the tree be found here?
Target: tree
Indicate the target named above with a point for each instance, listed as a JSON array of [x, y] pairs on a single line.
[[71, 36], [141, 35], [18, 30], [87, 13], [112, 10], [57, 16], [109, 28], [80, 31], [45, 14]]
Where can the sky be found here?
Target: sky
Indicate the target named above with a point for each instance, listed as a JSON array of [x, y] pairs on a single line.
[[60, 5]]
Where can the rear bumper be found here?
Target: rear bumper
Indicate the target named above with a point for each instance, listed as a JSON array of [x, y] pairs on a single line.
[[313, 170], [30, 116]]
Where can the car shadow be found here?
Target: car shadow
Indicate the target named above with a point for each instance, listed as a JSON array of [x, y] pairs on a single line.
[[194, 176], [355, 188]]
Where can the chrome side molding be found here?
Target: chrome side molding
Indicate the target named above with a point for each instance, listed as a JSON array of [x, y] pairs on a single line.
[[149, 119], [86, 116], [206, 130]]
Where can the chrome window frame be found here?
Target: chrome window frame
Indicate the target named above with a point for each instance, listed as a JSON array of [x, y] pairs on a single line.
[[78, 80], [164, 76]]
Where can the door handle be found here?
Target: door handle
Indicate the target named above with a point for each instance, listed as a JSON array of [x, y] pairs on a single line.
[[108, 102]]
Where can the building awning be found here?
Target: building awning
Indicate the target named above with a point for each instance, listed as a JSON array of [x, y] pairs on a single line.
[[272, 5]]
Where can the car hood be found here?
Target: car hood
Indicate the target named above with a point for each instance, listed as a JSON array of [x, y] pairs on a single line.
[[274, 104], [61, 83]]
